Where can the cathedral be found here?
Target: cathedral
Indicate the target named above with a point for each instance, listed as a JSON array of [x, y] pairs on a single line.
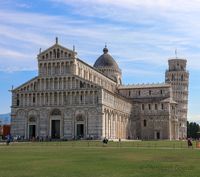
[[70, 99]]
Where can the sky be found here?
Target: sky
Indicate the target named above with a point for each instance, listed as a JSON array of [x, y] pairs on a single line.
[[140, 34]]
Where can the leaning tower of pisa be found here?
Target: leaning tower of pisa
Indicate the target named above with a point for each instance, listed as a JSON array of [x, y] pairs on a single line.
[[178, 77]]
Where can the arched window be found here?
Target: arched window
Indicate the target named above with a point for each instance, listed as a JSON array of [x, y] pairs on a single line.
[[145, 123], [17, 100], [173, 78], [33, 98], [162, 106], [156, 107], [182, 68], [142, 106], [182, 78], [58, 53], [149, 106], [54, 53], [149, 92], [50, 54]]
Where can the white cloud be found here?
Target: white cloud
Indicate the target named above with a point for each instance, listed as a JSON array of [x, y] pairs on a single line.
[[107, 8], [162, 23], [13, 69], [6, 53], [23, 35], [142, 30]]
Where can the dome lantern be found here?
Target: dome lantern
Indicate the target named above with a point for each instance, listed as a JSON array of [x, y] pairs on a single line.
[[105, 50]]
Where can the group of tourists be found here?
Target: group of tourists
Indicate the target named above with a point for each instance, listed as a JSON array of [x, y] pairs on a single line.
[[105, 140]]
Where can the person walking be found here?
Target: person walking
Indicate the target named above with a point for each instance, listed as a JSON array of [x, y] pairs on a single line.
[[189, 141]]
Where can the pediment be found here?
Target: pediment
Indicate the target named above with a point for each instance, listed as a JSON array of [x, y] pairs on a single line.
[[56, 52]]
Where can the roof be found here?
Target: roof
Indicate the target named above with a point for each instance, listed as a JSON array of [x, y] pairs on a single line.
[[152, 85], [95, 69], [25, 83], [106, 61]]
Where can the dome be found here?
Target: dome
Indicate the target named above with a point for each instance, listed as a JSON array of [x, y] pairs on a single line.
[[106, 61]]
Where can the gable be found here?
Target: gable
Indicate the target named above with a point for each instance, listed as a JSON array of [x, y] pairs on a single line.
[[56, 52]]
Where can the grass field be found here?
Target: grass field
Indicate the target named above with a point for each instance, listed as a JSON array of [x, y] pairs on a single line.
[[91, 159]]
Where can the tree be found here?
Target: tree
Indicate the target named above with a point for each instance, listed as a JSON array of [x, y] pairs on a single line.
[[192, 130]]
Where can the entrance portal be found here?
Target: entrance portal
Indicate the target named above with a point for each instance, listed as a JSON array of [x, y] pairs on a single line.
[[157, 135], [32, 131], [80, 131], [55, 129]]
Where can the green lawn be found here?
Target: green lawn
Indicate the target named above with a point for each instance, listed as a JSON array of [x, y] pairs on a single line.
[[90, 159]]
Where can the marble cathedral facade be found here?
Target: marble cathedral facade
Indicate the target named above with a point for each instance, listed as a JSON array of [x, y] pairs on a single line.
[[69, 99]]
